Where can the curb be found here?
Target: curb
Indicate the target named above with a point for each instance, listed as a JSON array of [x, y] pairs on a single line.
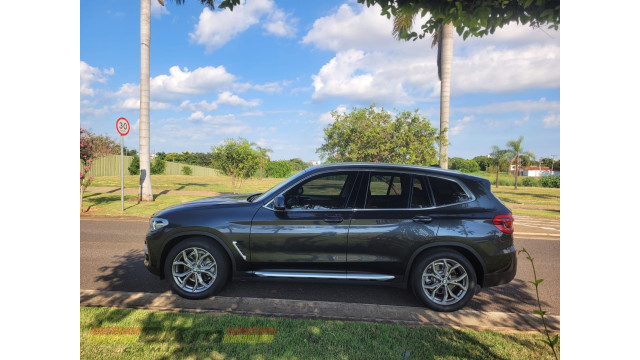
[[461, 319]]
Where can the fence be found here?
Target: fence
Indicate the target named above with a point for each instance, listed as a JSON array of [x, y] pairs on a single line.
[[110, 166]]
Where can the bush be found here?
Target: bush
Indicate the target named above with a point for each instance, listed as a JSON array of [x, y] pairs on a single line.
[[550, 182], [134, 168], [529, 181], [157, 167], [186, 170], [278, 169], [462, 165]]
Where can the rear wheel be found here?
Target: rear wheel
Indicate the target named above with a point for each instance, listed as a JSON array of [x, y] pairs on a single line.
[[196, 268], [444, 280]]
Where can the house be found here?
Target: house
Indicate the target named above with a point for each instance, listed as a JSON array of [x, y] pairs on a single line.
[[538, 171]]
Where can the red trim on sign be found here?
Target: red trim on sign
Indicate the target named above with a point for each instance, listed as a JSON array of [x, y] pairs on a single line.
[[128, 126]]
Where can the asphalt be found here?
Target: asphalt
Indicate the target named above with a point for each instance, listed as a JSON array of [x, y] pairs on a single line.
[[536, 228]]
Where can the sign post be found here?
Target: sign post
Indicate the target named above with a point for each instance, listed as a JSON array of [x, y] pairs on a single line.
[[122, 125]]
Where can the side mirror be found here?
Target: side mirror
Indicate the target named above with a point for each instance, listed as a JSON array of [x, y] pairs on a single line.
[[278, 203]]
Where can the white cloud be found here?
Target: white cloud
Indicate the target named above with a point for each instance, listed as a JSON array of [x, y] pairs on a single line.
[[512, 106], [216, 28], [198, 81], [89, 75], [326, 118], [280, 24], [551, 120], [460, 125], [353, 75], [347, 29], [133, 103], [370, 64], [199, 106], [227, 98]]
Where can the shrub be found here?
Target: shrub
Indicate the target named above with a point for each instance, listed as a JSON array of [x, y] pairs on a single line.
[[278, 169], [529, 181], [157, 167], [186, 170], [134, 168], [550, 182]]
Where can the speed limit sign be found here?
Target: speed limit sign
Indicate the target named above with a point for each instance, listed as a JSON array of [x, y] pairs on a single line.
[[122, 125]]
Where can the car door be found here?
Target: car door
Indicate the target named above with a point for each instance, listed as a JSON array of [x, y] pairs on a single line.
[[390, 222], [309, 237]]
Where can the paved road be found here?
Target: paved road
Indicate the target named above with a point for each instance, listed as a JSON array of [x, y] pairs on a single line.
[[111, 258]]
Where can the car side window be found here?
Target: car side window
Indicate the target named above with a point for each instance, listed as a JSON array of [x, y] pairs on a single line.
[[388, 191], [447, 192], [420, 197], [327, 191]]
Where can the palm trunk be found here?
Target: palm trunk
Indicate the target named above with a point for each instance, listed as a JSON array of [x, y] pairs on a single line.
[[146, 193], [517, 161], [446, 50], [497, 174]]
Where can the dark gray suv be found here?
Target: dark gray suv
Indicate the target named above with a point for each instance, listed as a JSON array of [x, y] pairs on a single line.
[[441, 233]]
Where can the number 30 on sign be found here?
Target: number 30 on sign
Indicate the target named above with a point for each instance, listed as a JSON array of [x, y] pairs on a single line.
[[122, 125]]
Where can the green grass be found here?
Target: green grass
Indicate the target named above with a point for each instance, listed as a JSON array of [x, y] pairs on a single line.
[[220, 184], [110, 204], [164, 335]]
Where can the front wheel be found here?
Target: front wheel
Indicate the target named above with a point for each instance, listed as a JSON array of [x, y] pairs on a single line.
[[444, 280], [196, 268]]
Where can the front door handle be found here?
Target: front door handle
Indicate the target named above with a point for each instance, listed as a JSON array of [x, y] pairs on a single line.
[[334, 219], [423, 219]]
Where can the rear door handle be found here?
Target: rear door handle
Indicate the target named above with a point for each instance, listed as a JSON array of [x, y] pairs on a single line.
[[423, 219], [334, 219]]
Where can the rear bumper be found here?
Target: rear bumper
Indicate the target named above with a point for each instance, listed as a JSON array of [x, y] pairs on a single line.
[[504, 276]]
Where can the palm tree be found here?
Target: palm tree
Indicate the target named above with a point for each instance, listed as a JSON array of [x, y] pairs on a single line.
[[146, 193], [499, 155], [516, 152], [443, 38]]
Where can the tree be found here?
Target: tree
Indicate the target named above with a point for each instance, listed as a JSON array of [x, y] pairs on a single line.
[[366, 134], [483, 162], [499, 156], [146, 193], [237, 159], [469, 18], [516, 151], [463, 165], [264, 158], [278, 169], [86, 159], [103, 145], [297, 164]]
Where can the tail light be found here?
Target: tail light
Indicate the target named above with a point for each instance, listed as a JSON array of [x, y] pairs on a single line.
[[504, 223]]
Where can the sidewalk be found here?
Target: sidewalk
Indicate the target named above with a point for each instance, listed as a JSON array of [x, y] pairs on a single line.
[[461, 319]]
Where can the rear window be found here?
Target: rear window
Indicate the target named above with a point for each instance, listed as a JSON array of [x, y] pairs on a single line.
[[447, 192]]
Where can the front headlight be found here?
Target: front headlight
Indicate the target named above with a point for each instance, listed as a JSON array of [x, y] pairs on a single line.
[[157, 223]]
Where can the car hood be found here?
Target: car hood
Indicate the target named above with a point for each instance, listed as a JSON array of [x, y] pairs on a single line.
[[227, 199]]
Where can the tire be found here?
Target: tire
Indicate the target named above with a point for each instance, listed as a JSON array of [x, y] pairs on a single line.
[[196, 268], [444, 280]]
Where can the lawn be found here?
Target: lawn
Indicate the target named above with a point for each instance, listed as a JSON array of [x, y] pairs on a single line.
[[220, 184], [145, 334], [531, 201]]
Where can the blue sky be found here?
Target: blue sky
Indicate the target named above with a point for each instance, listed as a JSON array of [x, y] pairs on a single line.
[[272, 70]]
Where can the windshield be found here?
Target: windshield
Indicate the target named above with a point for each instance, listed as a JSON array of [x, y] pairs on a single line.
[[280, 186]]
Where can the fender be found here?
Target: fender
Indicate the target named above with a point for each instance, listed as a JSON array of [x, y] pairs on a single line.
[[475, 262], [174, 239]]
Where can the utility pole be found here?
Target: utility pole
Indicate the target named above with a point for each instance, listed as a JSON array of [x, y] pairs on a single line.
[[553, 159]]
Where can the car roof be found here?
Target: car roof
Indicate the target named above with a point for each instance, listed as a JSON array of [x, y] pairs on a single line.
[[387, 166]]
